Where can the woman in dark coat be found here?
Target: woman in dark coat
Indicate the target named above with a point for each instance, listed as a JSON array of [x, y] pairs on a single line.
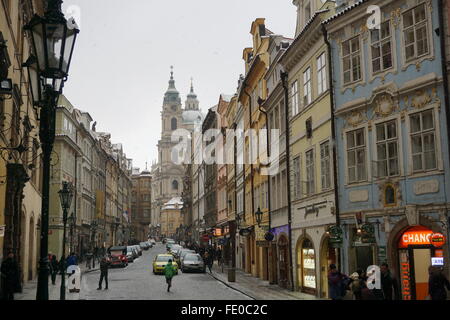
[[10, 274], [437, 284]]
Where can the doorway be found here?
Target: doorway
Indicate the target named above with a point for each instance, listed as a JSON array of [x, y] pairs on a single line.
[[283, 261], [415, 254]]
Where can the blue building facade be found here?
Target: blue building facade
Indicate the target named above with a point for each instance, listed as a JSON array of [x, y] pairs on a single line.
[[391, 134]]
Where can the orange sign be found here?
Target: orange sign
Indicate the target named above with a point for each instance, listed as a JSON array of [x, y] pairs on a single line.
[[218, 232], [415, 236], [438, 240]]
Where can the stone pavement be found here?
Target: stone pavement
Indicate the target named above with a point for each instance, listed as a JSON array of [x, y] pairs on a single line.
[[256, 288], [30, 288]]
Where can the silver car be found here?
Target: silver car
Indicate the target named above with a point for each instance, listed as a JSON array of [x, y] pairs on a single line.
[[193, 262]]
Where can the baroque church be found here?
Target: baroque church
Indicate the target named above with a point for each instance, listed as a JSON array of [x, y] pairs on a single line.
[[167, 176]]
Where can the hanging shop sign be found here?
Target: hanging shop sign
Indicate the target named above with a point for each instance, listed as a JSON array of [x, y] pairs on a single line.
[[438, 240], [368, 233], [415, 236], [260, 232], [2, 230], [217, 232], [269, 236], [335, 233], [245, 232]]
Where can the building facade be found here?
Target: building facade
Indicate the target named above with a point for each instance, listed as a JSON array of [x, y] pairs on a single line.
[[391, 116]]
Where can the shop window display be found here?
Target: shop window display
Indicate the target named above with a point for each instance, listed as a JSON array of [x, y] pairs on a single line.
[[309, 266]]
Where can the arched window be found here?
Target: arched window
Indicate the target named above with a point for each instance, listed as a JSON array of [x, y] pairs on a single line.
[[174, 124], [175, 185]]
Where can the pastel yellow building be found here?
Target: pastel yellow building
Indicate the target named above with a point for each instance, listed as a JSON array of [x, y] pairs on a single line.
[[306, 62], [171, 218], [252, 90]]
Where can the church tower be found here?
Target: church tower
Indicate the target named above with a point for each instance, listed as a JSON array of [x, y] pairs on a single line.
[[168, 176]]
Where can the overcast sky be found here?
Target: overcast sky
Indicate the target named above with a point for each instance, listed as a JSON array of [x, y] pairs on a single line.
[[121, 64]]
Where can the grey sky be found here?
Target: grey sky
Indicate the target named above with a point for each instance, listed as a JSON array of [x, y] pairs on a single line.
[[122, 59]]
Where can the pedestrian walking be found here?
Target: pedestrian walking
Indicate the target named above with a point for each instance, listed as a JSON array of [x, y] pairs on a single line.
[[208, 260], [10, 277], [389, 284], [219, 256], [437, 283], [169, 272], [72, 260], [104, 265], [54, 267], [337, 283], [357, 284]]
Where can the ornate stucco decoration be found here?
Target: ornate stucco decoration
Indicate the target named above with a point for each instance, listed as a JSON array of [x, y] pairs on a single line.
[[355, 118], [382, 186], [395, 17], [385, 105], [421, 99]]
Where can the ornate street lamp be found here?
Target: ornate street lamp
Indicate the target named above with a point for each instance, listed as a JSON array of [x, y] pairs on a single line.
[[259, 215], [52, 43], [238, 221], [65, 197]]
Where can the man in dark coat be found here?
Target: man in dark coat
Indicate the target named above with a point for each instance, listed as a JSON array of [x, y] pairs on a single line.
[[437, 284], [104, 265], [389, 285], [10, 274], [54, 268], [336, 283]]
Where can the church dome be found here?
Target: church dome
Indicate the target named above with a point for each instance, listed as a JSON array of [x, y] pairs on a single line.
[[172, 94], [192, 116]]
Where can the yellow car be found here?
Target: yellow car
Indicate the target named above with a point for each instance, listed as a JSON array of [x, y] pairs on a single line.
[[160, 262]]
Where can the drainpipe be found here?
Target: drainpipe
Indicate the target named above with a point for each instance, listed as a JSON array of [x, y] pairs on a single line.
[[260, 102], [251, 162], [284, 79], [251, 170], [446, 88]]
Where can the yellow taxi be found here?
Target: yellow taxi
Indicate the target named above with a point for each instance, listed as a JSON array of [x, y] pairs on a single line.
[[160, 262]]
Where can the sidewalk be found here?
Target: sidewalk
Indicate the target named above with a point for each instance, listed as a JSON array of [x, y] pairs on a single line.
[[256, 288], [30, 288]]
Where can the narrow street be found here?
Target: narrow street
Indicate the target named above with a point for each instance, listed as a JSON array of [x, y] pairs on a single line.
[[137, 282]]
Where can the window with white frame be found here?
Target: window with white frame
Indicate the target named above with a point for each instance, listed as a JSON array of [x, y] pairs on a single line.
[[351, 60], [307, 98], [309, 162], [325, 168], [356, 156], [381, 47], [321, 74], [294, 98], [297, 180], [423, 143], [387, 149], [415, 32]]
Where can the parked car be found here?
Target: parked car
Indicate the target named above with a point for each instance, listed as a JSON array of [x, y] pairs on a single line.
[[169, 243], [153, 241], [118, 257], [138, 248], [183, 253], [193, 262], [144, 246], [160, 262], [132, 253]]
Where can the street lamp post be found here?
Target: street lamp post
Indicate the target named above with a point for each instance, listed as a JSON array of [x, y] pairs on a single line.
[[52, 43], [259, 215], [65, 197]]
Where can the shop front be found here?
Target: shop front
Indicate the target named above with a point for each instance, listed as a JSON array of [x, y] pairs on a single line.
[[280, 256], [418, 248], [307, 268]]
